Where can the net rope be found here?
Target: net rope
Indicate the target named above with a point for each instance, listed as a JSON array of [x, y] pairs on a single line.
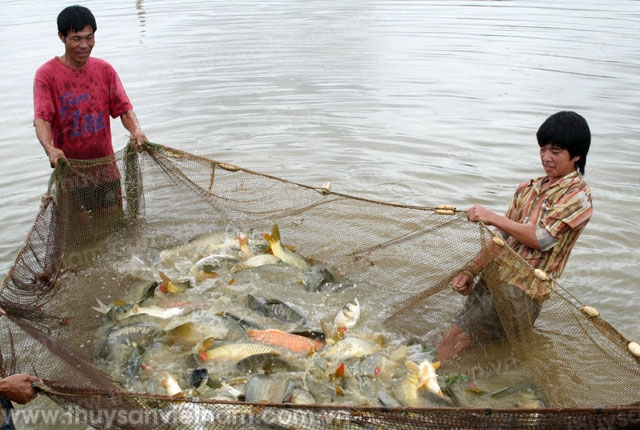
[[402, 259]]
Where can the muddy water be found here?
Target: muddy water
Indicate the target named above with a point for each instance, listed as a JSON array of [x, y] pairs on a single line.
[[410, 102]]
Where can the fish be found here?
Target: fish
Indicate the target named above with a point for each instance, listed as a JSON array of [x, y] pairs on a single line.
[[200, 246], [406, 391], [133, 363], [213, 263], [242, 322], [521, 395], [197, 377], [245, 249], [170, 384], [321, 280], [302, 397], [234, 392], [276, 309], [271, 388], [311, 334], [426, 375], [210, 350], [348, 315], [292, 342], [265, 363], [142, 333], [287, 256], [119, 312], [171, 287], [136, 334], [351, 347], [387, 399], [255, 261], [158, 312]]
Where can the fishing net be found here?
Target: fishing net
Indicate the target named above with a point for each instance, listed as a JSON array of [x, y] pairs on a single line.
[[100, 236]]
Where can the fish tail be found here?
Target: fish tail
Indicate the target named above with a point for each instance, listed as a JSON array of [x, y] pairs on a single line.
[[275, 233], [102, 308], [184, 334]]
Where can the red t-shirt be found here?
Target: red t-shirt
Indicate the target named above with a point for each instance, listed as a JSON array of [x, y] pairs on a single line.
[[78, 103]]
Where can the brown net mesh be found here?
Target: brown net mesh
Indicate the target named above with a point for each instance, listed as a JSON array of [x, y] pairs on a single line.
[[107, 228]]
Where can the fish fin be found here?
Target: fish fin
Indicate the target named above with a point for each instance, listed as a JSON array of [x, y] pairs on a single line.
[[413, 367], [102, 308], [184, 334], [275, 234], [399, 353], [165, 280], [208, 343]]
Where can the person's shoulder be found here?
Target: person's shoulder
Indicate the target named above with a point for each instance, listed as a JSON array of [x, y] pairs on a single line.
[[99, 62], [576, 181], [49, 65], [529, 183]]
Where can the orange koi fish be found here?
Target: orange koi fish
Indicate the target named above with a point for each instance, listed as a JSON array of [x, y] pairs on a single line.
[[292, 342]]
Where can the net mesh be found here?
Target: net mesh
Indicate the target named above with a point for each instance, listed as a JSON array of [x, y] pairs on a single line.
[[97, 216]]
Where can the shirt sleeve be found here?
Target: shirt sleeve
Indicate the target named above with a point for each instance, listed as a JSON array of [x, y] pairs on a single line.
[[119, 102], [571, 211], [43, 104], [545, 240]]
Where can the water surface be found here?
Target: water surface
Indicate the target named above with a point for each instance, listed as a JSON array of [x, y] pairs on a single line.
[[419, 103]]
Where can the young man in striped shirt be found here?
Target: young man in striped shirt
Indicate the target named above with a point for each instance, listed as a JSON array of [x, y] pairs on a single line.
[[542, 224]]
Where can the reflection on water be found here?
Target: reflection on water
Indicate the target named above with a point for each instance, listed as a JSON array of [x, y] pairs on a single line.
[[141, 15], [411, 102]]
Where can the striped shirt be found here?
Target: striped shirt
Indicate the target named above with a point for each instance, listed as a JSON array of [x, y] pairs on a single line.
[[560, 213]]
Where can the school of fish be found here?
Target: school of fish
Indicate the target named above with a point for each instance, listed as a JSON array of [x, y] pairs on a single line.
[[210, 325]]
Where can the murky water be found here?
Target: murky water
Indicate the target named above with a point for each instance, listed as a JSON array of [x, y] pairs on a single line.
[[419, 103]]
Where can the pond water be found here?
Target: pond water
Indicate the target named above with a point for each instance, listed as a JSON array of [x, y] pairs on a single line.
[[419, 103]]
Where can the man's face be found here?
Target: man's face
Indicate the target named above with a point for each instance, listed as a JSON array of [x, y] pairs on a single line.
[[78, 46], [556, 161]]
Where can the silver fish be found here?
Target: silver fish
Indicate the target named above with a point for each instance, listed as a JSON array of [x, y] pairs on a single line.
[[270, 388], [348, 315], [255, 261], [265, 363], [276, 309], [350, 347], [200, 246], [302, 397]]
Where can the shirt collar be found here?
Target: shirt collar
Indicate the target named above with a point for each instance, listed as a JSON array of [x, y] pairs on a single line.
[[566, 180]]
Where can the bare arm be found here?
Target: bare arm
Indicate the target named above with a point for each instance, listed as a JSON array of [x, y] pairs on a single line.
[[17, 388], [523, 233], [45, 137], [130, 122]]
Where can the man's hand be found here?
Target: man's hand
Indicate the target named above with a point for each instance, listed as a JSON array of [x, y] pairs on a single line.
[[18, 388], [479, 213], [54, 155], [137, 137], [463, 283]]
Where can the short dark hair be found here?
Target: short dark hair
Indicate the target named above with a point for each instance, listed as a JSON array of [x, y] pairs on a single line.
[[567, 130], [75, 18]]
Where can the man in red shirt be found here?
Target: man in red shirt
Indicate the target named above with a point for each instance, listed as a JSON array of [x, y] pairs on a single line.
[[76, 94]]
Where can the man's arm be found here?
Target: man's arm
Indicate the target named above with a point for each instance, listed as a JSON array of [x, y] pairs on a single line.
[[45, 137], [18, 388], [523, 233], [130, 122]]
